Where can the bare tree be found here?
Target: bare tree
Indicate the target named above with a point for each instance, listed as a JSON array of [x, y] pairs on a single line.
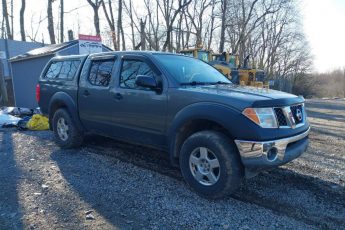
[[132, 22], [51, 22], [197, 18], [111, 22], [12, 17], [120, 27], [244, 17], [61, 21], [153, 33], [21, 20], [223, 26], [211, 25], [6, 20], [35, 28], [166, 8], [142, 34], [95, 6]]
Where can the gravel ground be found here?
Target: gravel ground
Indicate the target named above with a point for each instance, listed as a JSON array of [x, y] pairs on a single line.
[[108, 185]]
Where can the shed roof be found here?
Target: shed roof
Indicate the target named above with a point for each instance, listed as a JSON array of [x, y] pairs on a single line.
[[43, 51], [14, 48]]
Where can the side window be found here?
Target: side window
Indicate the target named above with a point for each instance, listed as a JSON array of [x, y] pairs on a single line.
[[130, 70], [65, 70], [100, 72], [68, 69], [54, 70]]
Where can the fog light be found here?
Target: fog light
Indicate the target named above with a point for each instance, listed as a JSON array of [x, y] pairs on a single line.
[[272, 154]]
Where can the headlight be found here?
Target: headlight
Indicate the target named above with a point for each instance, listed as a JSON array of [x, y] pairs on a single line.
[[263, 117]]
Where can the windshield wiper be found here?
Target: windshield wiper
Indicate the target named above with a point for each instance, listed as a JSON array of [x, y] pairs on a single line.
[[222, 83], [205, 83], [194, 83]]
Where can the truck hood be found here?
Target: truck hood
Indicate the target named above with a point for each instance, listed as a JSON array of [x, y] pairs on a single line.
[[247, 96]]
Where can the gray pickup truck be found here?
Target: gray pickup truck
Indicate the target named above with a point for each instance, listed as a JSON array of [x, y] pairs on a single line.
[[218, 133]]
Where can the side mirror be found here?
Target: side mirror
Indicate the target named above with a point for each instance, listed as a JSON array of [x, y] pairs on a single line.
[[146, 81]]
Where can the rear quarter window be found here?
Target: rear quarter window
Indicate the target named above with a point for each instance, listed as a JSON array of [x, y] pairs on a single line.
[[62, 70]]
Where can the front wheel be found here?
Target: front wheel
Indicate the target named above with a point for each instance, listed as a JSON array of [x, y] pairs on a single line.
[[210, 164]]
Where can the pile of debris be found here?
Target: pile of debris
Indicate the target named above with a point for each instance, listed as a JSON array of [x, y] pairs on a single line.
[[23, 118]]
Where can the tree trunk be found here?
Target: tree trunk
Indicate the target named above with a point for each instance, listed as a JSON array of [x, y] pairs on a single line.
[[111, 22], [61, 21], [223, 26], [7, 20], [12, 27], [96, 22], [95, 6], [22, 27], [142, 34], [132, 23], [120, 27], [212, 25], [50, 22], [170, 21]]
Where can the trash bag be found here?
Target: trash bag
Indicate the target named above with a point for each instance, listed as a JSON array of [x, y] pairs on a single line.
[[23, 122], [38, 122], [8, 120], [17, 111]]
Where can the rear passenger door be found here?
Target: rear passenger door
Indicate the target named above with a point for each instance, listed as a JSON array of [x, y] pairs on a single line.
[[94, 96]]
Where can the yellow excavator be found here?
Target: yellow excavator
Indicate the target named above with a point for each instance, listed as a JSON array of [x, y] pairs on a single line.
[[242, 75], [207, 56], [228, 64], [199, 53]]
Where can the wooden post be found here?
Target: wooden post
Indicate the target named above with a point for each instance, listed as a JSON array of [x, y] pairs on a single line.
[[70, 35], [3, 90]]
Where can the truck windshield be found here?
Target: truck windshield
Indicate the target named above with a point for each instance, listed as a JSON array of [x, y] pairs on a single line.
[[188, 70]]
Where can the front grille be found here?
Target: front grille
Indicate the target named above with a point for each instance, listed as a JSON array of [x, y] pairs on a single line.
[[297, 113], [280, 117]]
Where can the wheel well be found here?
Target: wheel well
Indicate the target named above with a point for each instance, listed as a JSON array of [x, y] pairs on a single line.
[[55, 106], [192, 127]]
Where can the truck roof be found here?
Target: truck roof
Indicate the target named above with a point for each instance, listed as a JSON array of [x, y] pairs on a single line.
[[134, 52]]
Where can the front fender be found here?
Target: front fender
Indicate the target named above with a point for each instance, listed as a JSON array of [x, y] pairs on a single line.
[[229, 118]]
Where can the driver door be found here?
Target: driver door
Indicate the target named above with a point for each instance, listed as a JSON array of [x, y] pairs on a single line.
[[140, 113]]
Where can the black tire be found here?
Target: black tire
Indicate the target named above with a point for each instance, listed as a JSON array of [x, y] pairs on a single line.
[[74, 136], [230, 171]]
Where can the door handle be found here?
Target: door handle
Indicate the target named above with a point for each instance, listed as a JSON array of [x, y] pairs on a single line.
[[86, 93], [118, 96]]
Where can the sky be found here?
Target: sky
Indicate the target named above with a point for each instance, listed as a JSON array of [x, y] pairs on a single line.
[[324, 26], [323, 23]]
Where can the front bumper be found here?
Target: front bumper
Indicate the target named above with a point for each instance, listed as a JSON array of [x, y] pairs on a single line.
[[257, 156]]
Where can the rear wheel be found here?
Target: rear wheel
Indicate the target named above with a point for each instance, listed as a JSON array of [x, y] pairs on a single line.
[[210, 164], [66, 133]]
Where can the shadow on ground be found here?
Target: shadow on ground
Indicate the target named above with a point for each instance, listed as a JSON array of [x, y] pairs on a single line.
[[10, 208]]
